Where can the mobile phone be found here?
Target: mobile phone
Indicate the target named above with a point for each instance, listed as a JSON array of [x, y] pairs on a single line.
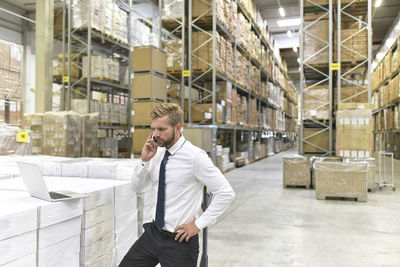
[[154, 139]]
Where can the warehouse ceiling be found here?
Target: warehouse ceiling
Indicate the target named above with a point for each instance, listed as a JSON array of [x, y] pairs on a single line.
[[383, 18]]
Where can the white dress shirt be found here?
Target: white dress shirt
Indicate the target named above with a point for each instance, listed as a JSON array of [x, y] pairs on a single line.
[[187, 170]]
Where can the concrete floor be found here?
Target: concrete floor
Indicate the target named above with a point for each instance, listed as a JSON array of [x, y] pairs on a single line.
[[271, 226]]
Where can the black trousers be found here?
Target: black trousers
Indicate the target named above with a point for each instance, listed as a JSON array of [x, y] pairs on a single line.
[[155, 246]]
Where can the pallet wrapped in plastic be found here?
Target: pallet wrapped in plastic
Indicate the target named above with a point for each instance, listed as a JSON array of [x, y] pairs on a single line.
[[101, 67], [62, 134], [173, 9], [296, 171], [9, 144], [140, 33], [372, 177], [316, 51], [33, 122], [316, 101], [339, 179], [80, 14], [320, 159], [90, 141]]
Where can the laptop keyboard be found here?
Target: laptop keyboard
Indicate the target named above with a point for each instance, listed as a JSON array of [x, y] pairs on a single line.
[[55, 195]]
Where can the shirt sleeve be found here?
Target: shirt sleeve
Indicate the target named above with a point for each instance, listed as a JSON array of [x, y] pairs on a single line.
[[141, 176], [223, 194]]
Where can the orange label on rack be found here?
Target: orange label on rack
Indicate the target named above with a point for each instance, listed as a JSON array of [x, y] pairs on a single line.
[[22, 137], [335, 66], [186, 73]]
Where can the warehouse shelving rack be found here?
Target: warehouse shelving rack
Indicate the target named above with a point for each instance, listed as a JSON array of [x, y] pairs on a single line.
[[211, 74], [353, 13], [384, 137], [174, 28], [86, 41], [357, 13], [314, 75]]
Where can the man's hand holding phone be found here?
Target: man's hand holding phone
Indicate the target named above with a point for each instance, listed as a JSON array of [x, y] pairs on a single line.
[[149, 148]]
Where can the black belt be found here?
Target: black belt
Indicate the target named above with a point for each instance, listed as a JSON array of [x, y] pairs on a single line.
[[164, 232]]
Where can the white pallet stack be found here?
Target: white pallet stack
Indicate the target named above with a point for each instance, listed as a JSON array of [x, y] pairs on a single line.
[[146, 201], [55, 239]]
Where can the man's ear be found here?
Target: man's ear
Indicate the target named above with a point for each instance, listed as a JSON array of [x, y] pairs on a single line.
[[179, 128]]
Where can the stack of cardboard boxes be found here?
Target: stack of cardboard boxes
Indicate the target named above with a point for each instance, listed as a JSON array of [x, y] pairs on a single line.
[[354, 137], [149, 89], [11, 110], [67, 134]]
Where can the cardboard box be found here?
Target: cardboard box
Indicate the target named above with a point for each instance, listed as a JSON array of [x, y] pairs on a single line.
[[203, 113], [199, 137], [139, 137], [355, 106], [149, 86], [142, 112], [312, 45], [320, 139], [354, 137], [338, 179], [149, 59], [296, 171], [316, 103]]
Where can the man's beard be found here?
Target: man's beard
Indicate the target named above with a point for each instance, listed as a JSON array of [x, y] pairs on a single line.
[[168, 142]]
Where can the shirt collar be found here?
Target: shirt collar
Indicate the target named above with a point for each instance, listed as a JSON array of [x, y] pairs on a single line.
[[177, 145]]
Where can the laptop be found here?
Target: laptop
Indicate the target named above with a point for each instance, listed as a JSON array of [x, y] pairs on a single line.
[[35, 185]]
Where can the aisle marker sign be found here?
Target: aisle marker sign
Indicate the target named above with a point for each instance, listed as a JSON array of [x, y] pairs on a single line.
[[335, 66], [22, 137], [65, 79], [186, 73]]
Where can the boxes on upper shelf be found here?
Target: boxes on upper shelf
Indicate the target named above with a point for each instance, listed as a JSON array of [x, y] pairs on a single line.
[[149, 86], [316, 103], [312, 45], [149, 59]]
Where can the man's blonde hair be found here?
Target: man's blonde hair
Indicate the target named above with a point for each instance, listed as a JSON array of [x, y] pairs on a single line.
[[173, 111]]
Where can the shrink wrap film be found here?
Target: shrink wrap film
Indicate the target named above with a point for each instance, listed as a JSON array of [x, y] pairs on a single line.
[[296, 171], [338, 179]]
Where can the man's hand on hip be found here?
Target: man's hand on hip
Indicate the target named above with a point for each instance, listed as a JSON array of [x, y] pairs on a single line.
[[187, 231]]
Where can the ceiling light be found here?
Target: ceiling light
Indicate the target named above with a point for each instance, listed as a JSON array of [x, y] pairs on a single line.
[[282, 12], [378, 3], [289, 33], [288, 22]]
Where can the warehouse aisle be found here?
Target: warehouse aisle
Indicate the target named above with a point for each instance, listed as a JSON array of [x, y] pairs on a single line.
[[271, 226]]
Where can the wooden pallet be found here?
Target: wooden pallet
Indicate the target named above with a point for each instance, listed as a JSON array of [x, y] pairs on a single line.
[[296, 186], [105, 79], [150, 99], [326, 197], [200, 70], [170, 24]]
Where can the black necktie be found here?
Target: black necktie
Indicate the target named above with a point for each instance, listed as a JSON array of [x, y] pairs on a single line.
[[161, 193]]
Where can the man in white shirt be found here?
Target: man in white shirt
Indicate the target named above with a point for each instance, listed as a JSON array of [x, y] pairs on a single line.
[[178, 171]]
